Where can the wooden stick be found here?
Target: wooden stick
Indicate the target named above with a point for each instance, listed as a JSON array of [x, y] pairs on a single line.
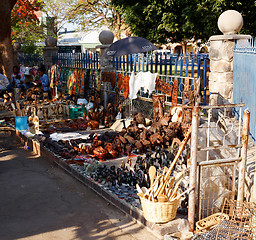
[[167, 175]]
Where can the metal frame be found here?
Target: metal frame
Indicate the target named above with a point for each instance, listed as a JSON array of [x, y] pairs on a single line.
[[241, 152]]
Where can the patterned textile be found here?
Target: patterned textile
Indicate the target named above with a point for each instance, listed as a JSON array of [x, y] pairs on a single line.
[[82, 82], [70, 81], [175, 92], [53, 70], [126, 86], [98, 80], [120, 81], [78, 83]]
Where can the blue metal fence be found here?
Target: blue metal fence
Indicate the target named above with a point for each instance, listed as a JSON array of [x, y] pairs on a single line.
[[87, 60], [244, 84], [190, 65]]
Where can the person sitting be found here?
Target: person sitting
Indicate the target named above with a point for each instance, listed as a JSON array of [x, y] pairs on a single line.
[[30, 79], [4, 82], [17, 80], [44, 81]]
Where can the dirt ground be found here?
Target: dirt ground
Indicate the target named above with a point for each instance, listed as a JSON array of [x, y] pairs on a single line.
[[39, 201]]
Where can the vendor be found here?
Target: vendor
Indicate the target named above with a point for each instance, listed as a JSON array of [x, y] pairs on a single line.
[[30, 79], [4, 82], [17, 80], [44, 81]]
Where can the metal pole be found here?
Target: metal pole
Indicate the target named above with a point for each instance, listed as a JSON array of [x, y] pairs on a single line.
[[193, 166], [242, 165]]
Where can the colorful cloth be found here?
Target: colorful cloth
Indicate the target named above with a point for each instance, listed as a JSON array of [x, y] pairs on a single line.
[[126, 86], [69, 81], [78, 83], [74, 81], [53, 70], [82, 83], [175, 92], [98, 82], [120, 78]]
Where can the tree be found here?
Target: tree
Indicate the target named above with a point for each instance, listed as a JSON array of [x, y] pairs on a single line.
[[26, 27], [58, 13], [6, 51], [96, 13], [179, 20]]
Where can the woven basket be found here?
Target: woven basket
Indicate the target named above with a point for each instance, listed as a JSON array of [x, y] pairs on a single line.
[[211, 221], [159, 212]]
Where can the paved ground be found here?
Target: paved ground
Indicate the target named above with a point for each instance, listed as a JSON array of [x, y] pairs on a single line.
[[38, 201]]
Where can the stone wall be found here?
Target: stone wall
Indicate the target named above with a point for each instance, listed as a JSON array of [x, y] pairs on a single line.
[[221, 67]]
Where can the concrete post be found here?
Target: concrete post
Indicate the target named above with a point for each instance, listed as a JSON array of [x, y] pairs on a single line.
[[221, 57], [49, 54], [50, 51], [106, 38]]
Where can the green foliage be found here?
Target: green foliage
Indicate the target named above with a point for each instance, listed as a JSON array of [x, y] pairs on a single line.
[[91, 14], [29, 36], [179, 20], [57, 15]]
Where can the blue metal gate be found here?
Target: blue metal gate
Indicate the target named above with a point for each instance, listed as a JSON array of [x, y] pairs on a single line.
[[244, 84]]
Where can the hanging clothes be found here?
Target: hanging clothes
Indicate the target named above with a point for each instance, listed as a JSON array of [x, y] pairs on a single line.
[[126, 86], [78, 83], [70, 81], [74, 80], [53, 70], [58, 83], [87, 82], [109, 77], [144, 80], [120, 81], [98, 81], [175, 92], [65, 81], [82, 83]]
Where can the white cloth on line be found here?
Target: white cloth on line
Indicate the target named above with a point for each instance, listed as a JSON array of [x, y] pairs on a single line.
[[142, 79]]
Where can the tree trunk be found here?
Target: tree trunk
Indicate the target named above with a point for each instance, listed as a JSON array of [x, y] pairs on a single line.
[[6, 49]]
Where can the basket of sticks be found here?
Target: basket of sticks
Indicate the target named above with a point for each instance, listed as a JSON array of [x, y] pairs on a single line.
[[159, 212], [160, 202]]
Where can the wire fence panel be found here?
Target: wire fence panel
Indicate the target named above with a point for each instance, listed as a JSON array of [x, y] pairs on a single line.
[[217, 182], [219, 152]]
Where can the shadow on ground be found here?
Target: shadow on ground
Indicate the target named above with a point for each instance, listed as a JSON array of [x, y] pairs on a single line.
[[39, 201]]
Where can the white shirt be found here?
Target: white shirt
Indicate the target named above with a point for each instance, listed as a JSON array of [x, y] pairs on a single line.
[[4, 82]]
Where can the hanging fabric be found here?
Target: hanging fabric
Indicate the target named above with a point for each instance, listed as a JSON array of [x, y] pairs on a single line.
[[109, 77], [82, 83], [120, 81], [87, 82], [175, 92], [53, 69], [145, 80], [98, 81], [126, 86], [78, 83], [74, 80], [65, 81], [58, 81], [116, 97], [70, 81]]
